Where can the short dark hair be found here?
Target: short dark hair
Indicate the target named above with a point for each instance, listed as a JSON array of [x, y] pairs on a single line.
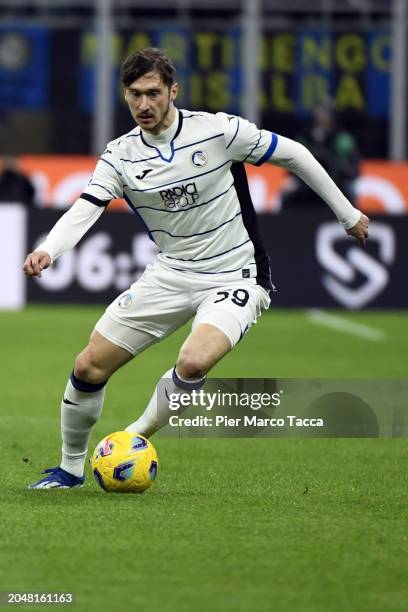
[[144, 61]]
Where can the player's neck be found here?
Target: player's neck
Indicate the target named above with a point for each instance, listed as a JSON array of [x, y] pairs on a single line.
[[166, 130], [168, 120]]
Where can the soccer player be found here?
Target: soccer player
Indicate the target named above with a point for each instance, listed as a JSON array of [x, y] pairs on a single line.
[[174, 171]]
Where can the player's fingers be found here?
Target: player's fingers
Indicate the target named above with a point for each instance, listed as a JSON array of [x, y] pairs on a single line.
[[363, 237], [36, 271], [28, 267], [34, 265], [44, 262]]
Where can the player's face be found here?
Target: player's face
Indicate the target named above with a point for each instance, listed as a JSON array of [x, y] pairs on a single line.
[[151, 102]]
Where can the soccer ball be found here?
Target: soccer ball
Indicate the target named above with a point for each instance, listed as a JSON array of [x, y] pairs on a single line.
[[124, 462]]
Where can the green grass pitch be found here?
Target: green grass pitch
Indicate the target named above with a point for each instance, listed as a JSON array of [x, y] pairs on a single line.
[[230, 525]]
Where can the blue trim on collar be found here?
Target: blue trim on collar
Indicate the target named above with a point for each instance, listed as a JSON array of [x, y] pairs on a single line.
[[170, 159], [171, 156]]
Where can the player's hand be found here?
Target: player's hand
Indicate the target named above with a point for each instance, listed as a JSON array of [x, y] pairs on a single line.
[[360, 230], [36, 262]]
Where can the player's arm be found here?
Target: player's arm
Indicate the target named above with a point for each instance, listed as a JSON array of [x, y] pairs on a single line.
[[65, 234], [105, 185], [296, 158], [245, 142]]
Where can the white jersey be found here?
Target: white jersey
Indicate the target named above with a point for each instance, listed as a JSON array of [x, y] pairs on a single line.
[[192, 198], [181, 186]]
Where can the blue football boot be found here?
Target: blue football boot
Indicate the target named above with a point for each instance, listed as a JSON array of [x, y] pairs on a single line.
[[58, 479]]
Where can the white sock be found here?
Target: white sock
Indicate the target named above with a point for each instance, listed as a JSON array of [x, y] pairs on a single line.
[[157, 412], [79, 412]]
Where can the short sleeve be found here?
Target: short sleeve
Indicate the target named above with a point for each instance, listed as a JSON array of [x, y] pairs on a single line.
[[106, 181], [245, 141]]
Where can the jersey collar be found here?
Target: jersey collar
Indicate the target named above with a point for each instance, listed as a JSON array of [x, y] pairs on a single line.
[[164, 143], [166, 137]]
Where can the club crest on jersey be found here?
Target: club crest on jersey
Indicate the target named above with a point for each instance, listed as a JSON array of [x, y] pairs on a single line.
[[199, 158], [180, 196], [125, 301]]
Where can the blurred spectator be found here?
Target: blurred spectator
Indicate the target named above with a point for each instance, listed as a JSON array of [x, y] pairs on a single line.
[[336, 150], [14, 186]]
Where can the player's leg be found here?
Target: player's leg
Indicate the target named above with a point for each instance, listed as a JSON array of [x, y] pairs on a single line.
[[149, 310], [202, 349], [223, 317], [83, 399]]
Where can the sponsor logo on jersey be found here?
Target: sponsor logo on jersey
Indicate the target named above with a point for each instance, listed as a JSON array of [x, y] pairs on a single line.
[[180, 196], [199, 158], [141, 176]]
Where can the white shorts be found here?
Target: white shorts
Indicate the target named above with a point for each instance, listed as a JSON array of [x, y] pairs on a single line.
[[162, 300]]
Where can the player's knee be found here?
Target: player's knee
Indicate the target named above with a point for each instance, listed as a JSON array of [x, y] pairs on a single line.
[[191, 364], [88, 369]]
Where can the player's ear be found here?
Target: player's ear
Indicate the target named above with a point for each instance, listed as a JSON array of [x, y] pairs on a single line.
[[173, 91], [126, 94]]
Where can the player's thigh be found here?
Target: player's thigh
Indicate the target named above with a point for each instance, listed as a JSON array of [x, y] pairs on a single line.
[[129, 339], [232, 309], [100, 358], [201, 350], [157, 304]]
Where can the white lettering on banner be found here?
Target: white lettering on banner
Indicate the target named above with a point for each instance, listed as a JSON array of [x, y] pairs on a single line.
[[144, 250], [343, 270], [95, 265], [383, 190], [64, 193], [69, 188], [95, 268], [13, 226]]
